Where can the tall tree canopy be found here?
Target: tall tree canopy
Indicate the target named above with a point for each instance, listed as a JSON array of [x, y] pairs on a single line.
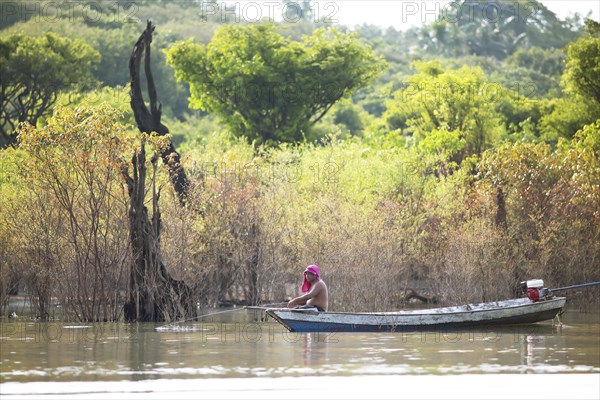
[[33, 70], [452, 110], [495, 28], [265, 86], [582, 74]]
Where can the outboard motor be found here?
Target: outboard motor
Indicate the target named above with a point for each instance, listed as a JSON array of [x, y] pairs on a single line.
[[534, 289]]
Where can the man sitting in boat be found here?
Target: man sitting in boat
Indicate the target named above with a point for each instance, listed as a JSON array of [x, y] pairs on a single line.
[[314, 289]]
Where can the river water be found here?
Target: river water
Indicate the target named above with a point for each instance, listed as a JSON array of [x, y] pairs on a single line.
[[113, 360]]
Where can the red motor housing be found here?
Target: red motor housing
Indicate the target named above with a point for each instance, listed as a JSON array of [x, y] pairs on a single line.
[[533, 294]]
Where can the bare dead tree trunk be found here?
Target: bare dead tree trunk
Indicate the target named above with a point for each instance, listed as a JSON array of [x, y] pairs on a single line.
[[154, 295], [253, 295], [148, 121], [501, 209]]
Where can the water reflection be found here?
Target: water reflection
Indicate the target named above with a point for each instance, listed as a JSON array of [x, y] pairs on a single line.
[[144, 353], [55, 352], [533, 348], [315, 349]]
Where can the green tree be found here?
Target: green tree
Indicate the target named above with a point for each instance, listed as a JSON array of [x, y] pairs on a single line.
[[563, 117], [456, 102], [580, 106], [534, 68], [114, 44], [582, 71], [268, 88], [33, 71], [495, 28]]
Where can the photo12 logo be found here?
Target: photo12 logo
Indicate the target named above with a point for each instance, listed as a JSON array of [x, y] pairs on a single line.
[[269, 11], [53, 11], [461, 12]]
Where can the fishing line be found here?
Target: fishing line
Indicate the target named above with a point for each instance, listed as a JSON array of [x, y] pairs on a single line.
[[167, 326]]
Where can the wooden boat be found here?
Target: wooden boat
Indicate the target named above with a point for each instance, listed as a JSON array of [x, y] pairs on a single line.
[[506, 312]]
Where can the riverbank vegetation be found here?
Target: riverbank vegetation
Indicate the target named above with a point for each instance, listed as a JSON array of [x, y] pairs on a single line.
[[451, 160]]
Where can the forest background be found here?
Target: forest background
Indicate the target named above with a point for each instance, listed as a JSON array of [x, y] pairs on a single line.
[[457, 159]]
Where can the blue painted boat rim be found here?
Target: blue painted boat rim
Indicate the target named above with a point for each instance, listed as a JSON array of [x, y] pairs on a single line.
[[467, 308]]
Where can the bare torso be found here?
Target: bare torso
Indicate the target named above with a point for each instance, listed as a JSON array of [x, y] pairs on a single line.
[[321, 297]]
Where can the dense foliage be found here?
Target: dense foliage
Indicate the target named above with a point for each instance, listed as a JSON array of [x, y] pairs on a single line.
[[583, 63], [33, 71], [465, 162], [268, 88]]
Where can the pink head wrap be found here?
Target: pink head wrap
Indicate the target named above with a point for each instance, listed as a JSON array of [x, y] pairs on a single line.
[[305, 283]]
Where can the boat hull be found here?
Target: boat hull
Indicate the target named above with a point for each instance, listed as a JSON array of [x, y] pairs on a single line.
[[508, 312]]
